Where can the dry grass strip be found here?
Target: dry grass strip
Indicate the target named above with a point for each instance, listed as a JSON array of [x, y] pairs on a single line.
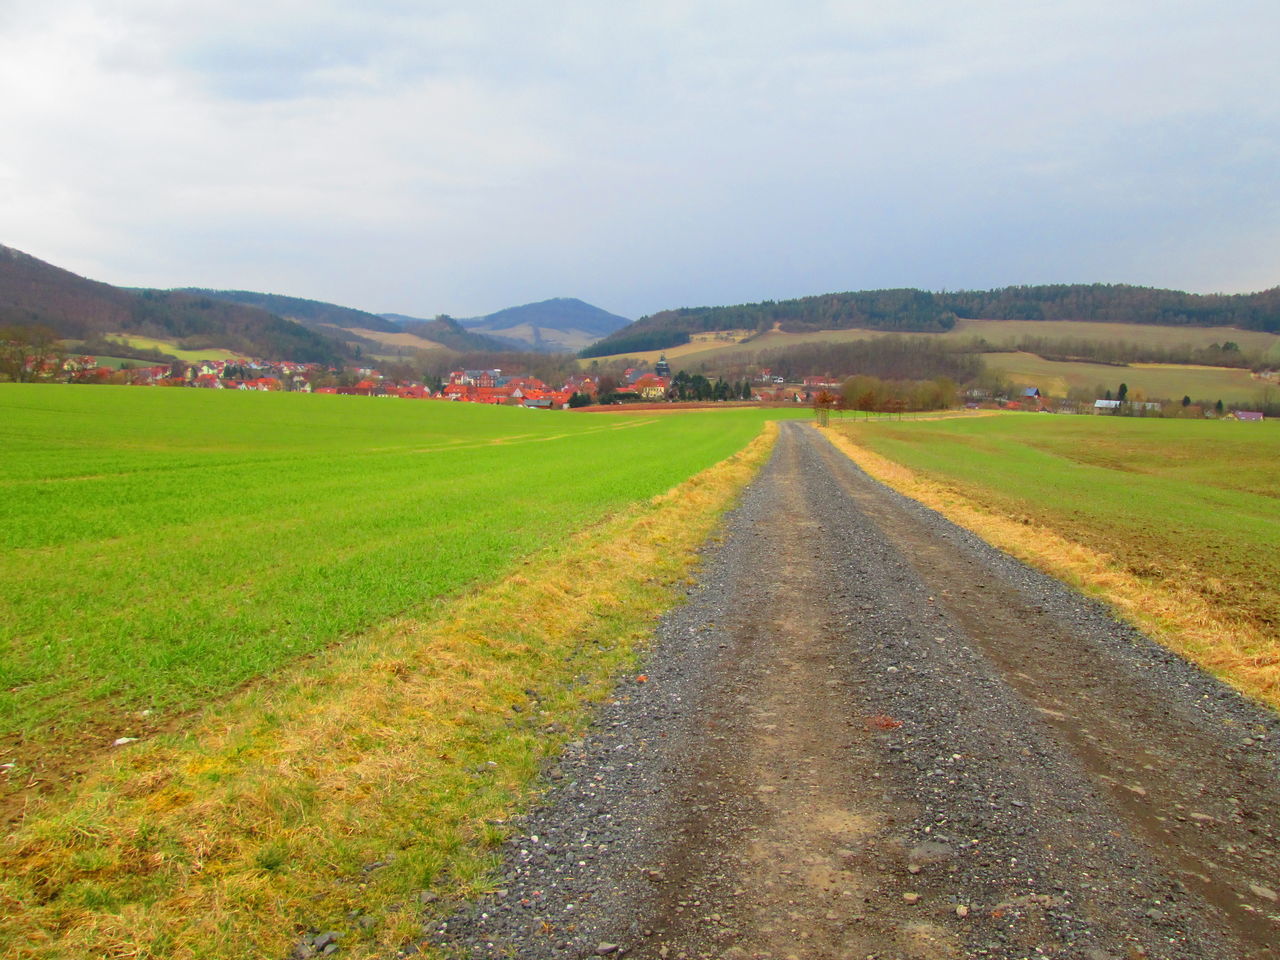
[[1234, 649], [374, 778]]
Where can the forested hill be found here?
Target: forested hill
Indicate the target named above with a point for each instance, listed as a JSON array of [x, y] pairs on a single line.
[[1120, 303], [560, 313], [449, 333], [35, 293], [920, 311], [306, 312]]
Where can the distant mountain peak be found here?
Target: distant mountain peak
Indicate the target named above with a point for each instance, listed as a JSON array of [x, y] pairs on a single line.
[[557, 324]]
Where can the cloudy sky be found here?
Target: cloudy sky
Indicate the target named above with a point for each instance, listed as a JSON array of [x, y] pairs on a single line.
[[426, 157]]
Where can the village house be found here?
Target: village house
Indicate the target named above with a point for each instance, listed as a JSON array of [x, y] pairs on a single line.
[[650, 386], [823, 382]]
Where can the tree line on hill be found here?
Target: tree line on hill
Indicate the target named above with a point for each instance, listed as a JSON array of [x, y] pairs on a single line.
[[203, 323], [890, 358], [300, 309], [915, 311], [1119, 303], [920, 311], [640, 342], [35, 293]]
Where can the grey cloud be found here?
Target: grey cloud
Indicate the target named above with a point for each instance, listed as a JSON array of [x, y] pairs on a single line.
[[468, 156]]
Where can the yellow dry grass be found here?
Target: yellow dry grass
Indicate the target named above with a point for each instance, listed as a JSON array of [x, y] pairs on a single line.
[[1181, 618], [388, 766], [387, 338]]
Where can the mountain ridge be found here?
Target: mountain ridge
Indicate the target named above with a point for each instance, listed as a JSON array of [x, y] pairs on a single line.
[[911, 310], [302, 310], [560, 324], [34, 292]]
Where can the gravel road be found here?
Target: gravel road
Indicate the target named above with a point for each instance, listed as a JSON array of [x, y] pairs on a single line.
[[868, 734]]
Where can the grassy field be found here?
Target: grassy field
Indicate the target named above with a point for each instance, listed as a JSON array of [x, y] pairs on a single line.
[[1006, 332], [116, 363], [1185, 513], [172, 349], [1159, 381], [163, 548], [396, 344], [345, 631]]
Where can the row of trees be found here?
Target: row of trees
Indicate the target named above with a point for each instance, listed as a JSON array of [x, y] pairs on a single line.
[[873, 394], [25, 351], [1119, 303], [659, 338], [685, 386]]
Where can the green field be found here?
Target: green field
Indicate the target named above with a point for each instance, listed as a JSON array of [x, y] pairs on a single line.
[[1191, 502], [334, 631], [1155, 381], [163, 547], [172, 349]]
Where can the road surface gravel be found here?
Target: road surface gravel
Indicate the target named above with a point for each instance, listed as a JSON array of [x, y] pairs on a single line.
[[867, 734]]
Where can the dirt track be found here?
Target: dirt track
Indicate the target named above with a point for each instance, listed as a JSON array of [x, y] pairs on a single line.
[[870, 735]]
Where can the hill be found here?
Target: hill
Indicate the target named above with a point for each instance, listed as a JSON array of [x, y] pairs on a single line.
[[561, 324], [450, 333], [372, 332], [920, 311], [307, 312], [36, 293]]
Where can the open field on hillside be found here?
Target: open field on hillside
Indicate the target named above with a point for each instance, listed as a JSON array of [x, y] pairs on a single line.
[[487, 570], [171, 348], [162, 548], [401, 341], [569, 341], [1155, 381], [117, 363], [1178, 522], [1004, 332]]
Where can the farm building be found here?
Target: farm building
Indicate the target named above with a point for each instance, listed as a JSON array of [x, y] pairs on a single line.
[[1253, 416], [1106, 406]]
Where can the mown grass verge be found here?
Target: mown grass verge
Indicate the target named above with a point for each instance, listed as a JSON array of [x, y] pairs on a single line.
[[1134, 520], [332, 797]]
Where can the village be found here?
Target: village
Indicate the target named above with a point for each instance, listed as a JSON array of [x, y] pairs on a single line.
[[632, 385], [487, 386]]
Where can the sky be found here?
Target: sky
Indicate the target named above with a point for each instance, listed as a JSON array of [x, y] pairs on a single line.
[[437, 157]]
